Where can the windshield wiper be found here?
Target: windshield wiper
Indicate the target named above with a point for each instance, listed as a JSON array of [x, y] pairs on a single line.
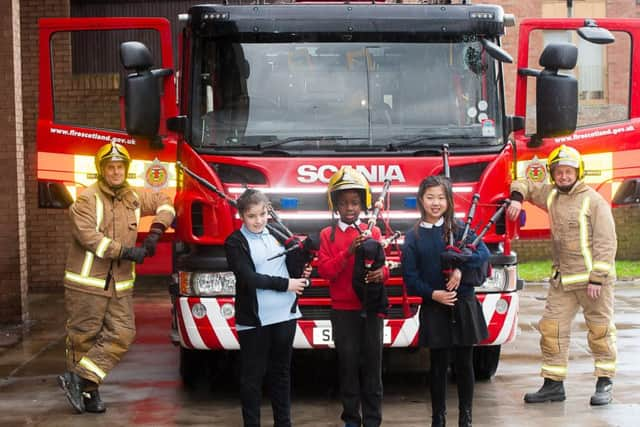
[[405, 142], [278, 142]]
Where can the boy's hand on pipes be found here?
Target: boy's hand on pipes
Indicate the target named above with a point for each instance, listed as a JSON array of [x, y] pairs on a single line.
[[356, 242], [374, 276]]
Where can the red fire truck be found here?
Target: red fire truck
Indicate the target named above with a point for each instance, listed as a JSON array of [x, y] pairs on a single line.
[[278, 97]]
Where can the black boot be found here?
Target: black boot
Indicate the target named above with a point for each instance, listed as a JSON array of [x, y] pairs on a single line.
[[603, 394], [551, 391], [70, 382], [93, 403], [439, 419], [464, 417]]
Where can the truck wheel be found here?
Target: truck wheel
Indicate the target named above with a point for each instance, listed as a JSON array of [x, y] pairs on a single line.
[[190, 366], [485, 361]]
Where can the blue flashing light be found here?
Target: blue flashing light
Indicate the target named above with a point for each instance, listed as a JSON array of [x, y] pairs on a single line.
[[410, 202], [289, 203]]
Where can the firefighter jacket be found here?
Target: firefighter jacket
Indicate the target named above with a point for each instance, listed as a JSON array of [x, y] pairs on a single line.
[[582, 232], [103, 221]]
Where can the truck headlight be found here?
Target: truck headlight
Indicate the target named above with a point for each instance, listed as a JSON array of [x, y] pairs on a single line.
[[207, 284], [503, 278]]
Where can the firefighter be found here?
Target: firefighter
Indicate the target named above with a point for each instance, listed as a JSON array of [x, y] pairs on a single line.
[[583, 273], [100, 273]]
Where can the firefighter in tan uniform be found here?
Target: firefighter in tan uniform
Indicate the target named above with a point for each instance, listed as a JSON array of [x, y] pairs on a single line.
[[100, 273], [583, 273]]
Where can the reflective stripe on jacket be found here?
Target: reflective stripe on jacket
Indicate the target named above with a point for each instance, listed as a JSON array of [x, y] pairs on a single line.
[[582, 232], [102, 223]]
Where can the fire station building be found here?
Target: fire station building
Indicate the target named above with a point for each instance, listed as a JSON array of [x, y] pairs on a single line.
[[34, 240]]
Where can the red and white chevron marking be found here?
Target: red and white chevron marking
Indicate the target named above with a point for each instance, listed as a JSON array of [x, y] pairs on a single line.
[[502, 325], [214, 332]]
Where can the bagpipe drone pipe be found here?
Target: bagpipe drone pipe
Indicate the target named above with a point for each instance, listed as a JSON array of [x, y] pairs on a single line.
[[459, 252], [460, 255]]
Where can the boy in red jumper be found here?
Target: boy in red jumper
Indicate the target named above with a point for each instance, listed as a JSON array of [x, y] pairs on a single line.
[[358, 339]]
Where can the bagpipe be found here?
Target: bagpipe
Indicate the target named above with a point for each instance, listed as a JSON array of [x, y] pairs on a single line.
[[370, 256], [299, 250], [459, 252], [306, 247]]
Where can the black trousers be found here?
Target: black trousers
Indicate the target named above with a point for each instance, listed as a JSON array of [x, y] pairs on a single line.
[[463, 362], [265, 353], [358, 343]]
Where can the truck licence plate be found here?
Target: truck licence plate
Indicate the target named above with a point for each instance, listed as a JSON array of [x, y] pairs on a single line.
[[322, 335]]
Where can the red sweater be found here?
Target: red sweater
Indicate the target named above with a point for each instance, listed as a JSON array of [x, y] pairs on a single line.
[[335, 264]]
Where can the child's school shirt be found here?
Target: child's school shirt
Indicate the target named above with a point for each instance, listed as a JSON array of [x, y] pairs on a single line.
[[335, 263], [273, 306], [421, 266]]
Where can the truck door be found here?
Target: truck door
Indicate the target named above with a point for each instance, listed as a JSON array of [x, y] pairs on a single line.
[[80, 109], [608, 124]]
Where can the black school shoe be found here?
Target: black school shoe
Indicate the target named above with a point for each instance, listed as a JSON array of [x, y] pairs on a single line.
[[604, 392], [70, 383], [93, 403]]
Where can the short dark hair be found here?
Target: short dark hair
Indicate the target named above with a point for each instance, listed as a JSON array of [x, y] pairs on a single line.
[[250, 197]]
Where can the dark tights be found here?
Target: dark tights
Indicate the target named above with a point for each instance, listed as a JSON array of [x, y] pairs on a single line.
[[463, 363]]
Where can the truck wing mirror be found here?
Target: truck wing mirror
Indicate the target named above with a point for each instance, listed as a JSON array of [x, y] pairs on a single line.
[[496, 52], [594, 34], [177, 124], [628, 193], [514, 123], [556, 94], [141, 91], [53, 195], [135, 56]]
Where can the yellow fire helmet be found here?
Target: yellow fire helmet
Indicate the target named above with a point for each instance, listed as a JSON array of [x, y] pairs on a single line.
[[566, 156], [347, 178], [112, 152]]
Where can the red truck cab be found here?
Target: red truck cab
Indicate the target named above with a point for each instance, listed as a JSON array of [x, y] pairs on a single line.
[[278, 97]]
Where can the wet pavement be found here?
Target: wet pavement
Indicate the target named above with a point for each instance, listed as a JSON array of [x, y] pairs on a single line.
[[146, 390]]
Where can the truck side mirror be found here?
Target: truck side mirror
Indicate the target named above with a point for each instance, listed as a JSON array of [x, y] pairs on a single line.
[[556, 94], [53, 195], [141, 90], [628, 193], [594, 34]]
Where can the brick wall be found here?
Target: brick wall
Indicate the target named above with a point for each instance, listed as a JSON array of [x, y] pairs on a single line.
[[13, 259], [47, 229], [89, 99]]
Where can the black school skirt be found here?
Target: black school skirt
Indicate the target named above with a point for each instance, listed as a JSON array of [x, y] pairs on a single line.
[[442, 326]]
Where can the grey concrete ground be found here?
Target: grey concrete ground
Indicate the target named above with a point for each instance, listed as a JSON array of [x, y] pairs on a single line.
[[145, 389]]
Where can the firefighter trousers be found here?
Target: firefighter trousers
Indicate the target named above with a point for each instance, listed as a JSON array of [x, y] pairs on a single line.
[[100, 330], [555, 330]]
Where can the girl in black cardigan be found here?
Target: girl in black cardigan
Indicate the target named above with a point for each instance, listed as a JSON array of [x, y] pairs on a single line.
[[451, 318]]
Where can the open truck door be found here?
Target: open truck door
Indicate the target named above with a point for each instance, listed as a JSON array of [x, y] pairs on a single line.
[[605, 126], [81, 108]]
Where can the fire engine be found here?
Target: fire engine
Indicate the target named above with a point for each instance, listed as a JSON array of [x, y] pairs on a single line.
[[279, 96]]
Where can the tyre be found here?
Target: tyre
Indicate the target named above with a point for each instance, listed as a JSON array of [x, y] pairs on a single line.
[[485, 361], [191, 366]]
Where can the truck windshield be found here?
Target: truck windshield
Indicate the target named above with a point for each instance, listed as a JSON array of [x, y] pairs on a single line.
[[336, 96]]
